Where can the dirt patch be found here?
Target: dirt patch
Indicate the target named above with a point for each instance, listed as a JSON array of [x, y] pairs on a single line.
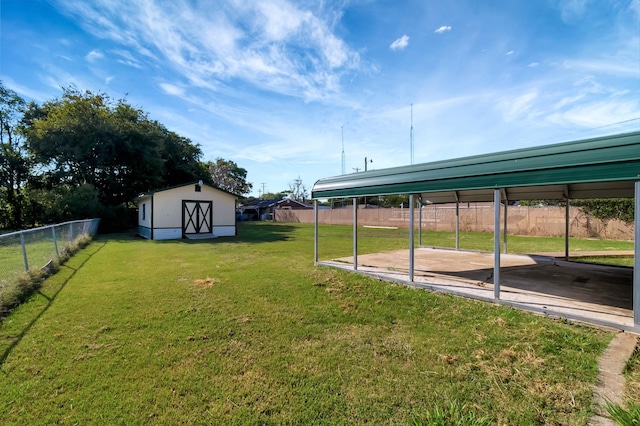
[[205, 283]]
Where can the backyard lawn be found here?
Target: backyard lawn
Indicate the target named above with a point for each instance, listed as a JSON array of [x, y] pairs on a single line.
[[246, 330]]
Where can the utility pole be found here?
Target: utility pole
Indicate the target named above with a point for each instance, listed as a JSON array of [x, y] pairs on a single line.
[[342, 130], [357, 169], [411, 135], [263, 186], [365, 163]]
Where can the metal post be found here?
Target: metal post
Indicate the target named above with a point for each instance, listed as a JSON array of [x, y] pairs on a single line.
[[55, 241], [636, 261], [411, 250], [420, 225], [24, 253], [355, 234], [496, 244], [566, 231], [315, 231], [457, 225], [504, 231]]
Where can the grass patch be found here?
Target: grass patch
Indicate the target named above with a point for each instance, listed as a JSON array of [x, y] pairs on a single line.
[[607, 260], [245, 330], [336, 241], [20, 288]]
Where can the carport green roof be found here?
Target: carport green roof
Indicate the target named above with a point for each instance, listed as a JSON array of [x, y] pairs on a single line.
[[601, 167]]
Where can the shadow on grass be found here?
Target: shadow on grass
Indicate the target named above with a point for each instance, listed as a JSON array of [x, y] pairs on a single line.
[[248, 232], [50, 300]]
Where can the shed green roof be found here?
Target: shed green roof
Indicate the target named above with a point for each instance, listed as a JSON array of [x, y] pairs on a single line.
[[601, 167]]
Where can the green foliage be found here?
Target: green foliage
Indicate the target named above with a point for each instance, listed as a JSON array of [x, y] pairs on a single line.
[[14, 161], [608, 208], [227, 175], [624, 416], [95, 155], [390, 200], [297, 190]]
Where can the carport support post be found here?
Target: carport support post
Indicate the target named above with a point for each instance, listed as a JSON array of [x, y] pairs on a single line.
[[504, 242], [355, 234], [411, 211], [496, 244], [420, 224], [566, 231], [315, 231], [636, 261], [457, 225]]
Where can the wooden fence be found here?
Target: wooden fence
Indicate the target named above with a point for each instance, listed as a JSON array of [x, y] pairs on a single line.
[[478, 217]]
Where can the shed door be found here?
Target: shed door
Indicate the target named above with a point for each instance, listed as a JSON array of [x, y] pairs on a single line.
[[196, 217]]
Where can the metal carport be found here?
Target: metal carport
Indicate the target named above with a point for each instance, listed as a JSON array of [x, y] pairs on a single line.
[[604, 167]]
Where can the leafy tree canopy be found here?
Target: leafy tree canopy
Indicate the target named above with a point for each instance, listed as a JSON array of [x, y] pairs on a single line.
[[14, 160], [227, 175]]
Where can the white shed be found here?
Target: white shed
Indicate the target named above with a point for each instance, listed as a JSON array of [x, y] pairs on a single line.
[[190, 210]]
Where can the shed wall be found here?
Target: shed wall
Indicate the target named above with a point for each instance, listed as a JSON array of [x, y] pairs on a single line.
[[168, 206]]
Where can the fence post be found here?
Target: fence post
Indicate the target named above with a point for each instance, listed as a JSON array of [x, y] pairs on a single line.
[[55, 241], [24, 253]]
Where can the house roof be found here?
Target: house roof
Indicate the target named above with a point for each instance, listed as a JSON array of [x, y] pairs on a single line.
[[148, 193], [290, 201], [602, 167], [261, 204]]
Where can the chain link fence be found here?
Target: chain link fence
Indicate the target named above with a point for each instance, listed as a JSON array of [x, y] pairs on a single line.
[[36, 248]]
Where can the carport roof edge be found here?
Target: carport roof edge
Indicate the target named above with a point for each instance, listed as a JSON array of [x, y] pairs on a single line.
[[614, 158]]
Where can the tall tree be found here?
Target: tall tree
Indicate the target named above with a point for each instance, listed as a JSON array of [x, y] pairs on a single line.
[[298, 191], [227, 175], [181, 159], [14, 160], [110, 149]]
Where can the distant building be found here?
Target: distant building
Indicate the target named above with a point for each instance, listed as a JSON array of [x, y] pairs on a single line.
[[264, 209]]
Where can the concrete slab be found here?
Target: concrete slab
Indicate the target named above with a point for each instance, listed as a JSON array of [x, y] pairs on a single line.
[[596, 294]]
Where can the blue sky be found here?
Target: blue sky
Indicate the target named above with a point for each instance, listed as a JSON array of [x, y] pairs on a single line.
[[273, 84]]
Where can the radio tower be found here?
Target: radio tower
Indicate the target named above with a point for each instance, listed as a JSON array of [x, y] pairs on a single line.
[[411, 135], [342, 129]]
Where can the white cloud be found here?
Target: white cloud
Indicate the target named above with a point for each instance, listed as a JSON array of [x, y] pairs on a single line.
[[572, 9], [520, 105], [598, 114], [25, 91], [533, 64], [275, 45], [443, 29], [400, 44], [172, 89], [511, 52], [94, 55]]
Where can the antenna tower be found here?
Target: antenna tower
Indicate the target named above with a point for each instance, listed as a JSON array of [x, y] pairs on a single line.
[[411, 135], [342, 129]]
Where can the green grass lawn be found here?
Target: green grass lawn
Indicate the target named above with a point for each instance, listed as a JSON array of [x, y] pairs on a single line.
[[336, 241], [246, 330]]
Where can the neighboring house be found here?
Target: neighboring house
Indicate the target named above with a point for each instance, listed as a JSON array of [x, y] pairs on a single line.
[[193, 210], [264, 209]]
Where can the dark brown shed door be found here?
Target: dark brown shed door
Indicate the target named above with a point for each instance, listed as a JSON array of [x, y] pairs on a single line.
[[196, 217]]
